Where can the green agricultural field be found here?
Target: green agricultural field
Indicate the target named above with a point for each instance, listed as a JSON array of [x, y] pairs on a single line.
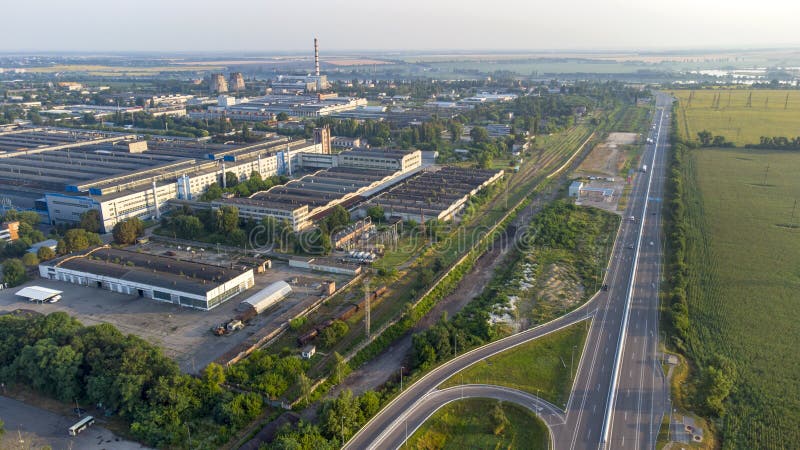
[[743, 250], [540, 367], [726, 112], [472, 423]]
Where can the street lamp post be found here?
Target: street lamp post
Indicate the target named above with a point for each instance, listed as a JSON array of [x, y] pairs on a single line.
[[401, 378], [571, 360]]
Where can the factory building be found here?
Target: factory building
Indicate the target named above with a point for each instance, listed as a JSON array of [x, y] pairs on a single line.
[[183, 283], [266, 108], [297, 84], [381, 159], [64, 173], [343, 180], [430, 195]]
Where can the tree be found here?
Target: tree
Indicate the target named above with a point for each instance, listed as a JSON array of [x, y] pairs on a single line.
[[338, 219], [340, 368], [45, 253], [227, 219], [186, 227], [479, 135], [126, 232], [333, 333], [305, 387], [282, 116], [213, 192], [376, 213], [14, 272], [231, 179], [77, 239], [456, 129], [30, 260], [705, 137], [90, 221]]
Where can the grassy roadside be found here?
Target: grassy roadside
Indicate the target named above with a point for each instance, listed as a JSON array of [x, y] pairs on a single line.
[[543, 367], [481, 423]]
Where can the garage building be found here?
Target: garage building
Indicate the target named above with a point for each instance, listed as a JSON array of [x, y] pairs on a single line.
[[184, 283]]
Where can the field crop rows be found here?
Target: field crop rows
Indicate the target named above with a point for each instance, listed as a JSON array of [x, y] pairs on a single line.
[[631, 119], [743, 255], [726, 112]]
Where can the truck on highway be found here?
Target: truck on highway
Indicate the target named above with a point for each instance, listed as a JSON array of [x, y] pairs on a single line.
[[644, 168]]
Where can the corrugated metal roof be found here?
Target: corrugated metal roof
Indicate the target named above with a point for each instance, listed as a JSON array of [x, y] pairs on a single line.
[[37, 293], [268, 296]]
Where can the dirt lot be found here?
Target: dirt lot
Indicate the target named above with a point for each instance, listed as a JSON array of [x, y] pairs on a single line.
[[609, 157], [183, 333]]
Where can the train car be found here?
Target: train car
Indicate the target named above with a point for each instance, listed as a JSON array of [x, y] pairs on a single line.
[[308, 337], [348, 313]]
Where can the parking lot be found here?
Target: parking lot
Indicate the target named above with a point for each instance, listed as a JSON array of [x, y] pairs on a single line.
[[31, 427], [183, 333]]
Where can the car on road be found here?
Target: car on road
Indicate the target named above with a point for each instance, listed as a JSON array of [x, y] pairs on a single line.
[[630, 246]]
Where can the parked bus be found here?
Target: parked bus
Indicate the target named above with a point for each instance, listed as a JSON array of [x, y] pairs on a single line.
[[83, 424]]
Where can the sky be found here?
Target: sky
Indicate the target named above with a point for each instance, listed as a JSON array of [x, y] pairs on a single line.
[[272, 26]]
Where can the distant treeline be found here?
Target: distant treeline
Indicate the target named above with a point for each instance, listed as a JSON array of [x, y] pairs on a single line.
[[777, 143]]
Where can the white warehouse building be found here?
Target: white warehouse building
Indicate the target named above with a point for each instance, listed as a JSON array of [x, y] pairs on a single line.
[[183, 283]]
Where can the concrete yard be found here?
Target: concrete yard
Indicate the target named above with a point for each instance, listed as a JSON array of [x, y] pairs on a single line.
[[183, 333], [31, 427]]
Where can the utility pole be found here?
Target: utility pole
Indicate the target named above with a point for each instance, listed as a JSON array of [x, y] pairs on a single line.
[[766, 171], [366, 308]]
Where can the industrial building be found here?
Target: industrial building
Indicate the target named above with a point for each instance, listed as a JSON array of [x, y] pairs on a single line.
[[269, 106], [430, 195], [64, 173], [381, 159], [303, 201], [9, 231], [344, 180], [579, 190], [184, 283], [344, 142], [297, 84]]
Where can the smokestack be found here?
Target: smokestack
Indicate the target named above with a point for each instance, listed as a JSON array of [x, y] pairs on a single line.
[[316, 56]]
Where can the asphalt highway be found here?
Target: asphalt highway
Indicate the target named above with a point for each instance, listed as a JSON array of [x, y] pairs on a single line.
[[619, 394]]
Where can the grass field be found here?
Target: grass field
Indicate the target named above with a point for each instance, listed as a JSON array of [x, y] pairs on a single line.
[[744, 266], [466, 424], [769, 113], [540, 367], [114, 71]]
